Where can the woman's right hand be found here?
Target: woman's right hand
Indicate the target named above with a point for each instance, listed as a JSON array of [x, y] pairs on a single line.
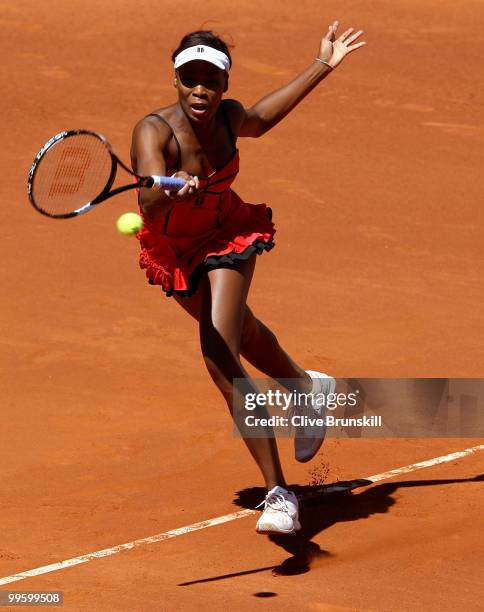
[[189, 190]]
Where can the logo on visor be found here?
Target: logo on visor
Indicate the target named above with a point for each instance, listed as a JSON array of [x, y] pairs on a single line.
[[200, 49]]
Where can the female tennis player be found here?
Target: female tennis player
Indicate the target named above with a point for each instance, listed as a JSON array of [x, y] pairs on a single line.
[[199, 244]]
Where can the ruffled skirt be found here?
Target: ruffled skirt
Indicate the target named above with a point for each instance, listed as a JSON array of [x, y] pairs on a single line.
[[176, 252]]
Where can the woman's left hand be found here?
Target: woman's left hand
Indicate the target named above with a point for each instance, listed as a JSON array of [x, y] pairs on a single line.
[[333, 50]]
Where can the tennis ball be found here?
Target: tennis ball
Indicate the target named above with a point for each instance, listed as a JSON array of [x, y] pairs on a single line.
[[129, 223]]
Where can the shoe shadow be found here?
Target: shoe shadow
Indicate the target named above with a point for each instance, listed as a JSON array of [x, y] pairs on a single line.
[[322, 507]]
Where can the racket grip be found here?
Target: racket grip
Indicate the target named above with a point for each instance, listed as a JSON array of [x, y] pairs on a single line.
[[167, 182]]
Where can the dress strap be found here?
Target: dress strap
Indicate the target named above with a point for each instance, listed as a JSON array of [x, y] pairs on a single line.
[[178, 157], [228, 125]]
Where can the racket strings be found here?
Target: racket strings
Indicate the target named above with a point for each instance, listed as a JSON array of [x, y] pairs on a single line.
[[71, 173]]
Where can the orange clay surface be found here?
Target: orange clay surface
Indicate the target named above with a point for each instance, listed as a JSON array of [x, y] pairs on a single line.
[[111, 429]]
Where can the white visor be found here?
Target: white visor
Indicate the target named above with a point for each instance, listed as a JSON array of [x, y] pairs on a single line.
[[204, 53]]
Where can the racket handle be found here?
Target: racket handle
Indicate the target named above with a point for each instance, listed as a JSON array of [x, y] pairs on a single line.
[[167, 182]]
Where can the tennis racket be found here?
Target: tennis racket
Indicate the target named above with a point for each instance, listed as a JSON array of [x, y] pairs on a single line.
[[75, 171]]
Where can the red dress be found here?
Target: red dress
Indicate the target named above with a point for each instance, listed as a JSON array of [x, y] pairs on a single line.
[[208, 231]]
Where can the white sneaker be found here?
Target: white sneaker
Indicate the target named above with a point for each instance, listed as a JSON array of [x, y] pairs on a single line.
[[281, 512], [308, 438]]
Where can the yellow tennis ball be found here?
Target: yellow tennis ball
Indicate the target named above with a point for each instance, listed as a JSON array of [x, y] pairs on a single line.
[[129, 223]]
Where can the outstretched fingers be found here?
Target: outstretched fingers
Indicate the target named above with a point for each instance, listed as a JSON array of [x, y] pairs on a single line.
[[353, 47], [347, 38], [350, 39], [342, 37], [333, 50]]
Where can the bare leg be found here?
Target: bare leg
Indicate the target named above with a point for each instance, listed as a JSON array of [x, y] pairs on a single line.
[[222, 303], [258, 345], [261, 348]]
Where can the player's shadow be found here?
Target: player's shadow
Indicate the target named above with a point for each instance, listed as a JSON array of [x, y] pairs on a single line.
[[320, 510]]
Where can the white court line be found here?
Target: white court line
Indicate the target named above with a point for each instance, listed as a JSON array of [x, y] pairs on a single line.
[[106, 552]]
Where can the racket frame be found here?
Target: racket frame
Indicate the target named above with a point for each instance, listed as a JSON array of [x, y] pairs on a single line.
[[143, 181]]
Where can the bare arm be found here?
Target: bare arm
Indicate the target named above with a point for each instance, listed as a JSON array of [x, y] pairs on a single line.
[[148, 142], [271, 109]]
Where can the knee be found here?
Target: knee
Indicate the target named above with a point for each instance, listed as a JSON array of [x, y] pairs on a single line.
[[220, 357]]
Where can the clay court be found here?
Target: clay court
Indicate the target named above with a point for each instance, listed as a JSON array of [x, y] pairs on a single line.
[[112, 432]]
